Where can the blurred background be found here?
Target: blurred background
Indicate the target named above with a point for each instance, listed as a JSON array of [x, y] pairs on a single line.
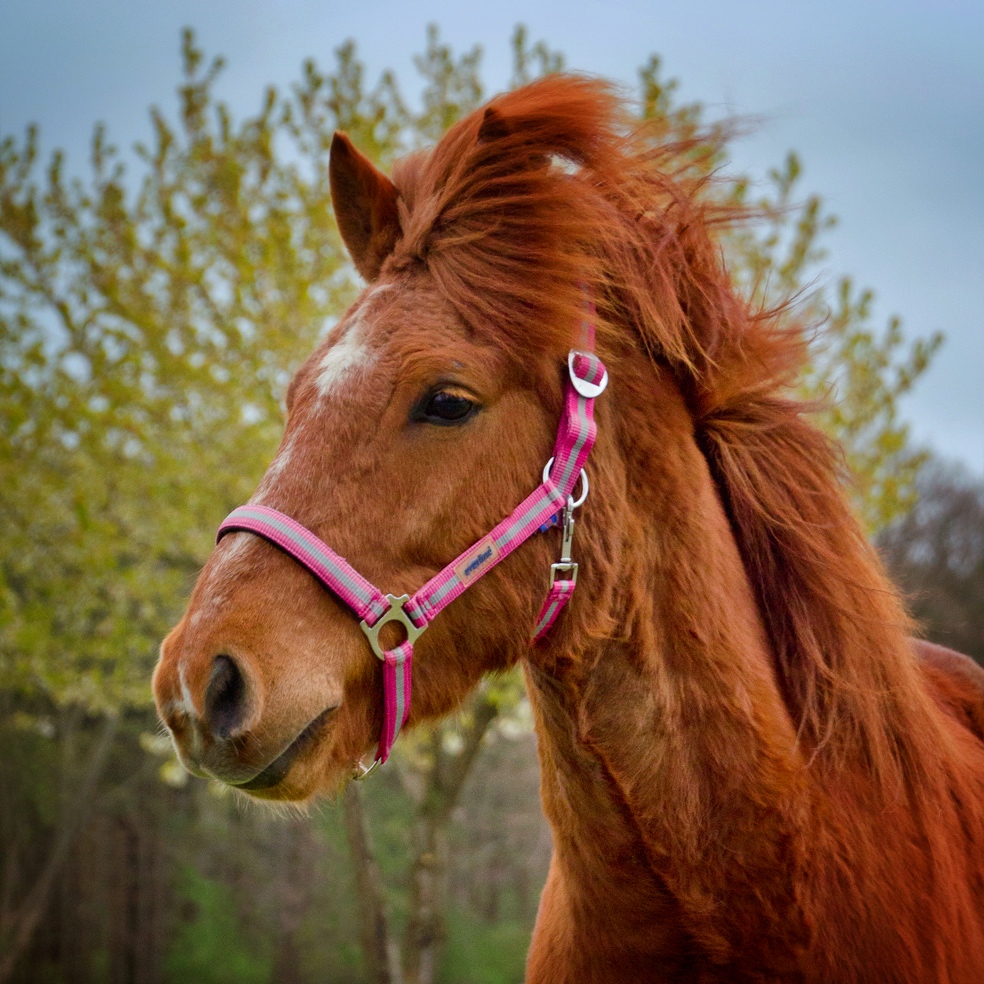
[[168, 255]]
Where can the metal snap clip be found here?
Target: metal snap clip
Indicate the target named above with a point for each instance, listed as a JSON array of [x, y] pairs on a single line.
[[361, 771], [565, 565]]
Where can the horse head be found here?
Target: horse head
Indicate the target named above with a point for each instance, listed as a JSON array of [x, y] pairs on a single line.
[[420, 421]]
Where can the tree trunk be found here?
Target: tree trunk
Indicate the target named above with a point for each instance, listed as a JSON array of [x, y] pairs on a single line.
[[74, 814], [377, 946], [426, 930], [296, 856]]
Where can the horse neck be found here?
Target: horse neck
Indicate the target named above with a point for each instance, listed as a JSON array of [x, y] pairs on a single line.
[[671, 747]]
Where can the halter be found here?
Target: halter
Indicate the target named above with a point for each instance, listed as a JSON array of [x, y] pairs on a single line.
[[538, 512]]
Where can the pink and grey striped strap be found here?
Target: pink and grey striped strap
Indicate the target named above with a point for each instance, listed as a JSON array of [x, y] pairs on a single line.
[[557, 597], [333, 571], [575, 437]]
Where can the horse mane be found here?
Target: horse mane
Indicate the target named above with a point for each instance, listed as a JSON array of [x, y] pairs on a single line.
[[556, 185]]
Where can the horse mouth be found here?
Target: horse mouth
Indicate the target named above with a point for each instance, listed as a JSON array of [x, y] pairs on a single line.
[[275, 772]]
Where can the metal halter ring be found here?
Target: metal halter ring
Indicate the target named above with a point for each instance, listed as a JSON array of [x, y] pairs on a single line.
[[574, 503], [394, 613]]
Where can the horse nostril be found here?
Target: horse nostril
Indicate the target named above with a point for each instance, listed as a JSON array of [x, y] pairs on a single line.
[[225, 698]]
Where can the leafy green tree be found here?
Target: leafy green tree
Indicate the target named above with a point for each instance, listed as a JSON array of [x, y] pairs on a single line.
[[936, 554], [213, 948], [857, 374], [146, 334]]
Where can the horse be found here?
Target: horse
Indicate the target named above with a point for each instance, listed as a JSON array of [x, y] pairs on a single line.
[[752, 772]]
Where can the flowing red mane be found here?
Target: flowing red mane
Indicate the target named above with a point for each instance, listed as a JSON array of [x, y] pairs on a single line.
[[568, 189]]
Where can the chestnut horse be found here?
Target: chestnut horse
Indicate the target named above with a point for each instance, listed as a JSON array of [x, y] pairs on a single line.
[[750, 770]]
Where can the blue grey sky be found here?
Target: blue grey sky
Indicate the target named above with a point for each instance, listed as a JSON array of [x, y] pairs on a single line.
[[883, 101]]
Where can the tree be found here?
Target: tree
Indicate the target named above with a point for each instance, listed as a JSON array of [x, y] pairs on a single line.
[[856, 374], [152, 313], [936, 554], [137, 364]]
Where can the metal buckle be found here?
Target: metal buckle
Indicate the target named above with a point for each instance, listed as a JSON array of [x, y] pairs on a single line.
[[585, 388], [394, 613], [555, 568], [565, 564]]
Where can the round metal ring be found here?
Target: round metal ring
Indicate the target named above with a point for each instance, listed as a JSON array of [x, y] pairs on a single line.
[[361, 771], [573, 503]]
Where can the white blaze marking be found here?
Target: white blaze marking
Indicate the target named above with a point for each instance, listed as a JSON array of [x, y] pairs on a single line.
[[280, 462], [376, 291], [565, 164], [348, 354], [232, 550], [223, 564], [350, 351]]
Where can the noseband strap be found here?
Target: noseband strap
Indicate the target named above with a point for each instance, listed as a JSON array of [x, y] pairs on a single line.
[[539, 511]]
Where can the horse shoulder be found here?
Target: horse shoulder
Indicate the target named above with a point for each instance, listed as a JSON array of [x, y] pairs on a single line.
[[956, 681]]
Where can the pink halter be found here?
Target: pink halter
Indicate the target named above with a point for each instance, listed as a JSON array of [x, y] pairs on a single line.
[[587, 379]]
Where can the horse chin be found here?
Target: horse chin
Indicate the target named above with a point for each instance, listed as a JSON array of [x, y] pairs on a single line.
[[312, 774], [304, 781]]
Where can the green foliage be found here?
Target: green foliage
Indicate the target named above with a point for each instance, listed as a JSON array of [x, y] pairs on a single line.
[[213, 946], [860, 375], [857, 374], [452, 90], [478, 953], [30, 749], [532, 61], [145, 338]]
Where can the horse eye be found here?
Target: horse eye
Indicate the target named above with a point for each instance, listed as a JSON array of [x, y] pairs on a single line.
[[446, 408]]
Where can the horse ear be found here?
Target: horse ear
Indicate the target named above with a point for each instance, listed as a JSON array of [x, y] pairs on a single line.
[[494, 126], [365, 206], [494, 129]]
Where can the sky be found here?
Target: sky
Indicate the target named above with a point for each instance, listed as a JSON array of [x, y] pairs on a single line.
[[884, 103]]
